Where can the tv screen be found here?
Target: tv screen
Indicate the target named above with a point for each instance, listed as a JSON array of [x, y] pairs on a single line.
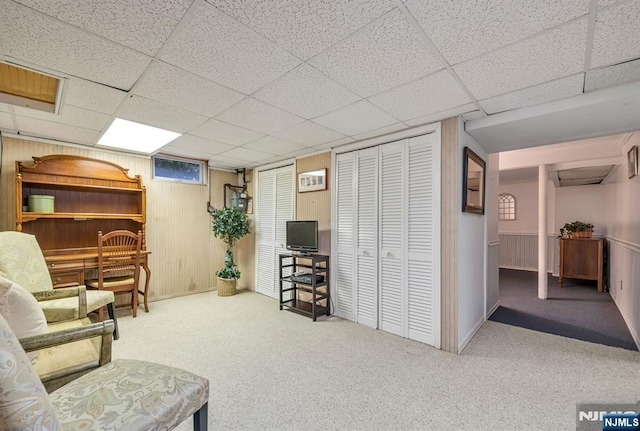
[[302, 236]]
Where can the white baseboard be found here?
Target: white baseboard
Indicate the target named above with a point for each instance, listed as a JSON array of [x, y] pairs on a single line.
[[493, 309], [468, 338], [633, 333]]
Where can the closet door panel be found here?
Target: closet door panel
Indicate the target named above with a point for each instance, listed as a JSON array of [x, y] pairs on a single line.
[[367, 237], [284, 212], [265, 232], [345, 226]]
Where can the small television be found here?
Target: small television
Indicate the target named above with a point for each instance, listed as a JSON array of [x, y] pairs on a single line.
[[302, 236]]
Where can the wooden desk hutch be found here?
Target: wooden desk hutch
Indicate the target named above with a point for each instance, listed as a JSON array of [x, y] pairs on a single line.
[[89, 195]]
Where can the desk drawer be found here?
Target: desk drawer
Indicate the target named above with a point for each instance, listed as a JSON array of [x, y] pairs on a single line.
[[63, 279]]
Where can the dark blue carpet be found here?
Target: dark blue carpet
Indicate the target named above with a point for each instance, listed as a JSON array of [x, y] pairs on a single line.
[[575, 311]]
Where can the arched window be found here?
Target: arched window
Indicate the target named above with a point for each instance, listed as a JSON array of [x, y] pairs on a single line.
[[506, 207]]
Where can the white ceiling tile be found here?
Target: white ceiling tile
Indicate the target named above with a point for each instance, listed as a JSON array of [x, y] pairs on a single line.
[[152, 113], [272, 145], [442, 115], [299, 153], [379, 132], [93, 96], [605, 3], [547, 92], [32, 37], [612, 75], [224, 132], [334, 144], [462, 30], [4, 107], [220, 49], [546, 57], [195, 143], [70, 115], [6, 122], [304, 27], [259, 116], [472, 115], [617, 35], [357, 118], [177, 151], [173, 86], [431, 94], [227, 163], [308, 134], [387, 53], [306, 92], [56, 131], [241, 153], [141, 25]]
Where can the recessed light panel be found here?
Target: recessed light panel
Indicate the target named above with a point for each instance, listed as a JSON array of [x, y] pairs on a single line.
[[132, 136]]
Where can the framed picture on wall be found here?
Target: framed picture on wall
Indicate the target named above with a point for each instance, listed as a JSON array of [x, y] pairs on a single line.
[[632, 161], [312, 181], [473, 182]]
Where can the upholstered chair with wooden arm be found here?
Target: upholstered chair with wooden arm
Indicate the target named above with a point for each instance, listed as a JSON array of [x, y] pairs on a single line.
[[122, 395], [22, 261]]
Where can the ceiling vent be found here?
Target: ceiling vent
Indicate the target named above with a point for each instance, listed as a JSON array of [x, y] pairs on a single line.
[[583, 176], [29, 89]]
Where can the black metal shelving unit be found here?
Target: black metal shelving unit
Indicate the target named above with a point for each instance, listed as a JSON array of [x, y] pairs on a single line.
[[313, 265]]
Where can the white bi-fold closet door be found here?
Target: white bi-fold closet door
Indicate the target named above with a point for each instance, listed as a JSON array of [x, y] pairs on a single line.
[[274, 206], [387, 213]]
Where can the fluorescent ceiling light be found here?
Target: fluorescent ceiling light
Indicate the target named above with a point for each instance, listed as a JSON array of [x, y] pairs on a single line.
[[133, 136]]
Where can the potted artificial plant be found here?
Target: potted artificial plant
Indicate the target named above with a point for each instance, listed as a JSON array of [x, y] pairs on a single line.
[[229, 224], [576, 229]]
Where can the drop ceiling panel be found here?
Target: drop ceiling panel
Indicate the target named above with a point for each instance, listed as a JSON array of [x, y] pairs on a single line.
[[617, 35], [612, 75], [431, 94], [334, 144], [259, 116], [379, 132], [306, 92], [357, 118], [57, 131], [70, 115], [308, 134], [143, 25], [547, 92], [464, 29], [387, 53], [6, 122], [472, 115], [195, 143], [605, 3], [35, 38], [176, 87], [549, 56], [274, 146], [220, 49], [225, 132], [304, 27], [448, 113], [93, 96], [245, 154], [152, 113], [180, 151], [228, 162]]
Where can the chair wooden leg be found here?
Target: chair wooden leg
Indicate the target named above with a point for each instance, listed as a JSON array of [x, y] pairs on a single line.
[[200, 419], [101, 314], [112, 315], [134, 302]]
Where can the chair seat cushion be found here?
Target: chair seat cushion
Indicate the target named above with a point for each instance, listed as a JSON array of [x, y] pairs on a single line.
[[58, 359], [67, 308], [130, 395], [111, 282]]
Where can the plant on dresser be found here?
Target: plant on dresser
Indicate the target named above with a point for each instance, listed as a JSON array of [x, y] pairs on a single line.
[[576, 229]]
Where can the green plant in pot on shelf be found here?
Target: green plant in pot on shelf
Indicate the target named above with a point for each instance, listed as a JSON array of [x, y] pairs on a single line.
[[229, 224], [576, 229]]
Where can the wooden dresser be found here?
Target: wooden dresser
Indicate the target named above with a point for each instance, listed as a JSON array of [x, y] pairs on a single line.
[[582, 258], [89, 195]]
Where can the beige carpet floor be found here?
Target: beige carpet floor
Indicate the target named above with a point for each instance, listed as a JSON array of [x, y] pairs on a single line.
[[276, 370]]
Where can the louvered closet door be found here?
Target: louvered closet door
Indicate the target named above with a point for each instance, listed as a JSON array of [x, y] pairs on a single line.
[[274, 207], [345, 211], [366, 268], [421, 208], [392, 238]]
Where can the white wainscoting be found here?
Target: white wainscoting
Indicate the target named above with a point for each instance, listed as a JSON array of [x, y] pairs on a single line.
[[520, 251]]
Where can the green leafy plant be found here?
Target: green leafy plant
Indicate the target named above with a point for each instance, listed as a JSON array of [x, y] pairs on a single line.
[[229, 224], [569, 229]]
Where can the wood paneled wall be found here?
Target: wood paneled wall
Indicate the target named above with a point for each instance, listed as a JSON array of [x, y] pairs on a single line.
[[316, 205], [184, 252], [449, 237]]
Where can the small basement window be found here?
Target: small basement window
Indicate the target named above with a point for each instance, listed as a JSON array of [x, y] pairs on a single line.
[[506, 207], [173, 169]]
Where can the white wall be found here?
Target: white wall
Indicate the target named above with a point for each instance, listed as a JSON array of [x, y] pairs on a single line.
[[526, 194], [471, 255], [622, 223], [584, 203], [492, 265]]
